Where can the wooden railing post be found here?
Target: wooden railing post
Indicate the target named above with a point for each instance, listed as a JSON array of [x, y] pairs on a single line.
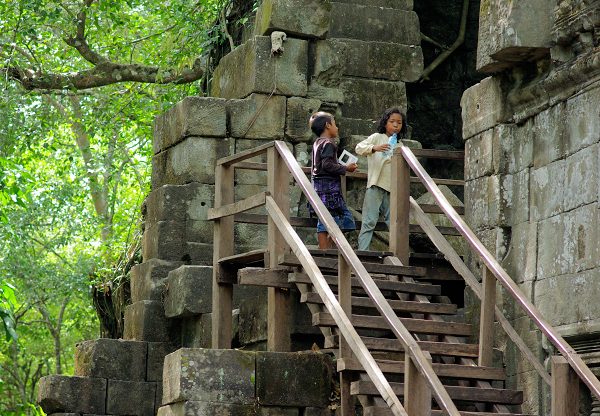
[[417, 393], [222, 293], [565, 388], [486, 322], [400, 207], [345, 299], [278, 310]]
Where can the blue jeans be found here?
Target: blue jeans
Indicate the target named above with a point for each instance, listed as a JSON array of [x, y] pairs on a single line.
[[377, 202]]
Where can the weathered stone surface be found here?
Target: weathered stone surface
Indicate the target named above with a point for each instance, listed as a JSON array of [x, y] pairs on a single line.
[[547, 185], [192, 116], [196, 331], [188, 291], [391, 4], [507, 35], [178, 202], [521, 258], [512, 147], [72, 394], [156, 357], [130, 398], [381, 60], [298, 18], [478, 155], [224, 376], [168, 240], [581, 177], [195, 408], [551, 232], [199, 253], [247, 176], [483, 107], [569, 298], [513, 205], [278, 411], [251, 68], [293, 379], [111, 358], [146, 321], [257, 117], [253, 320], [482, 196], [179, 164], [581, 129], [352, 126], [366, 98], [148, 279], [298, 113], [371, 23], [549, 137]]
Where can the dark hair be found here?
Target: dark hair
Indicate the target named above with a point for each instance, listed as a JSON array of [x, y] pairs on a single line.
[[386, 116], [318, 123]]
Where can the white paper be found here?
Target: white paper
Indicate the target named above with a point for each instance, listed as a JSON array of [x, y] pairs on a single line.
[[347, 158]]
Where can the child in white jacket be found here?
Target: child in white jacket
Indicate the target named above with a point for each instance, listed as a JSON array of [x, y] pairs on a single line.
[[376, 148]]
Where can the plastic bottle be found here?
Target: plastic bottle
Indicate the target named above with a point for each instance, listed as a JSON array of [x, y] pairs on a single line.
[[393, 141]]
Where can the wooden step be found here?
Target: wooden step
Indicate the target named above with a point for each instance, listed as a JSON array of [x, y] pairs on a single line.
[[417, 288], [442, 370], [467, 394], [332, 264], [385, 411], [449, 349], [333, 252], [397, 305], [421, 326]]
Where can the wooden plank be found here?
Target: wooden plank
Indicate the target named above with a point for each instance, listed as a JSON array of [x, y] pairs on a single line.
[[486, 321], [345, 299], [241, 259], [400, 208], [237, 207], [384, 411], [442, 370], [417, 393], [397, 305], [439, 154], [246, 154], [259, 276], [291, 260], [565, 388], [360, 253], [434, 209], [251, 166], [421, 326], [421, 288], [222, 293], [468, 394]]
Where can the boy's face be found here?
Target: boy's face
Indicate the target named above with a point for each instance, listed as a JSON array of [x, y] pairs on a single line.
[[331, 128], [394, 124]]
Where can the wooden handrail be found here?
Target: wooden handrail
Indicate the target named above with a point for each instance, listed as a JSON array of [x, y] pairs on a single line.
[[410, 345], [511, 287]]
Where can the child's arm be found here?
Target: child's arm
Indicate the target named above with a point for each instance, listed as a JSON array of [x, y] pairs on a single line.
[[367, 146], [329, 162]]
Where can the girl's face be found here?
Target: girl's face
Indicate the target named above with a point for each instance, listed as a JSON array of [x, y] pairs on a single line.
[[394, 124]]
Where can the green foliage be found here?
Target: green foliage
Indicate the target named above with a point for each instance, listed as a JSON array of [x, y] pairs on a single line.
[[7, 302]]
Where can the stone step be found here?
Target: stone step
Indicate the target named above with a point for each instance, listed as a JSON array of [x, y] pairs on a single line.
[[416, 288], [397, 305], [421, 326], [442, 370], [468, 394], [385, 411]]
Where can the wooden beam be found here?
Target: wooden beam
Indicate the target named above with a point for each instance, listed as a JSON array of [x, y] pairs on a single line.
[[237, 207], [400, 208], [417, 394], [486, 323], [345, 299], [246, 154], [260, 276], [565, 388], [439, 154]]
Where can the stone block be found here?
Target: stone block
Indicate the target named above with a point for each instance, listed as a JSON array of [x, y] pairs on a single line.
[[521, 258], [188, 291], [483, 107], [195, 408], [199, 253], [514, 198], [111, 358], [196, 331], [293, 379], [581, 128], [180, 164], [252, 68], [253, 320], [381, 60], [278, 411], [297, 18], [569, 298], [350, 127], [549, 136], [581, 178], [372, 23], [507, 35], [512, 146], [148, 279], [551, 232], [248, 176], [72, 394], [146, 321], [224, 376], [580, 242], [156, 358], [478, 155], [388, 4], [178, 202], [167, 240], [366, 98], [547, 190], [192, 116], [482, 202], [298, 113], [258, 117], [130, 398]]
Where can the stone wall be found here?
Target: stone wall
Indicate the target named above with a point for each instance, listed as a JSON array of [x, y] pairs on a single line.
[[532, 134]]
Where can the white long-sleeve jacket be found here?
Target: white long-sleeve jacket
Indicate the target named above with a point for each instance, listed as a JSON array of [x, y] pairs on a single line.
[[378, 164]]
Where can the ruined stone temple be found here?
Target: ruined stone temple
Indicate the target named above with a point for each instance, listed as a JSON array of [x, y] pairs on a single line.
[[227, 316]]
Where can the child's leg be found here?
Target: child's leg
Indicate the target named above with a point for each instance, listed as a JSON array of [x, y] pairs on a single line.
[[324, 240], [370, 215]]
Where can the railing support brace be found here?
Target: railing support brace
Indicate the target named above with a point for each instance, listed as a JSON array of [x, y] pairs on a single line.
[[486, 323], [565, 388], [400, 207], [278, 309], [345, 299], [222, 294], [417, 393]]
